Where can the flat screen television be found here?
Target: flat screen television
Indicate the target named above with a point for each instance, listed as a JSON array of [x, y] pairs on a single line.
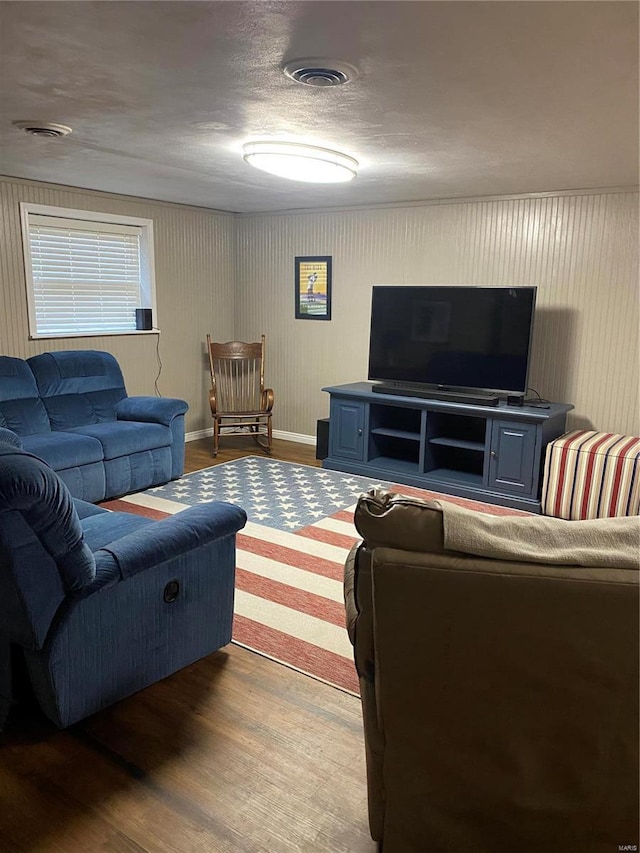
[[451, 338]]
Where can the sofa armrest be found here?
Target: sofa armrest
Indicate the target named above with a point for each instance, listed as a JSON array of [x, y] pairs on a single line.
[[349, 586], [358, 599], [10, 437], [172, 537], [158, 410], [389, 520]]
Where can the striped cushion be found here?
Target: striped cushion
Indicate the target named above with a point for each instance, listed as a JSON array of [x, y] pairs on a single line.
[[590, 474]]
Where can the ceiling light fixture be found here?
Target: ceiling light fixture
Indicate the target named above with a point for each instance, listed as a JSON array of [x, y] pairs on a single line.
[[300, 162]]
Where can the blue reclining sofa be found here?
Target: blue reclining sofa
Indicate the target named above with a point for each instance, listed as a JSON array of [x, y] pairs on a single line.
[[95, 605], [71, 409]]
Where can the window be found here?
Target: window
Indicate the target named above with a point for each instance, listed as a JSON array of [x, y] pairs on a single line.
[[86, 272]]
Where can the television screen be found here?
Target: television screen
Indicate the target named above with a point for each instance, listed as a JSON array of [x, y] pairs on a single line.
[[452, 337]]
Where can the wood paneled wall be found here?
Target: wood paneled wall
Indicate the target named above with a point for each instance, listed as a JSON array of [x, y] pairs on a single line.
[[233, 276], [580, 250], [195, 276]]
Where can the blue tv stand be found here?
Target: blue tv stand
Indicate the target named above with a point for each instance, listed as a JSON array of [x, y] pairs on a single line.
[[486, 453]]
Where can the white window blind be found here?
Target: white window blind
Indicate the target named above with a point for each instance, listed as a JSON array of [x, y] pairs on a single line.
[[86, 275]]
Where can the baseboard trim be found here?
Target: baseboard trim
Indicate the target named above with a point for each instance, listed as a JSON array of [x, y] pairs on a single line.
[[297, 437], [198, 433]]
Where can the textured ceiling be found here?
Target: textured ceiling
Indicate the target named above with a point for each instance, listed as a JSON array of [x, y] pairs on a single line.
[[454, 99]]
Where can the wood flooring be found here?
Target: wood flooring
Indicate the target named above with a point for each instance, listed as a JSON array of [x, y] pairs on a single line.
[[234, 753], [199, 456]]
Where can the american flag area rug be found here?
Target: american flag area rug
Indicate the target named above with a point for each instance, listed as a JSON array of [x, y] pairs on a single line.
[[290, 557]]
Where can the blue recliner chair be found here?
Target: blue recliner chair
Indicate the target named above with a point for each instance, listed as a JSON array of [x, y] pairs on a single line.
[[97, 605]]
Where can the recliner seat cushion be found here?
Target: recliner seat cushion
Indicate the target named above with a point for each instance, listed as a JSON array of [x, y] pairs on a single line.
[[63, 450], [122, 438], [86, 509], [103, 528]]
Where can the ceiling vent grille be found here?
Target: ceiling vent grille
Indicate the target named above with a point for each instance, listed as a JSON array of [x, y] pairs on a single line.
[[43, 128], [320, 72]]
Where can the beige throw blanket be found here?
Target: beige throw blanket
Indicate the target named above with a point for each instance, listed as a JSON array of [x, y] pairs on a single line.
[[601, 542]]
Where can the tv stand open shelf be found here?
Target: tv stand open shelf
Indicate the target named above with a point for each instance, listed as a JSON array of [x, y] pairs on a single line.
[[487, 453], [397, 433], [456, 442]]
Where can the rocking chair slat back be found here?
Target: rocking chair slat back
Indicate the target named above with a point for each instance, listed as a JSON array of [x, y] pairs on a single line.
[[237, 381]]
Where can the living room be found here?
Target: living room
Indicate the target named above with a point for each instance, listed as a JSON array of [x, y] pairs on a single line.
[[498, 146]]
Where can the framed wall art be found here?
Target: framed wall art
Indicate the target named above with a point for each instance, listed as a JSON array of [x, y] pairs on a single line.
[[313, 288]]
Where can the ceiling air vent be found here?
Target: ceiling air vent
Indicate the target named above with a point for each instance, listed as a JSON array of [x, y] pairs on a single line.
[[43, 128], [320, 72]]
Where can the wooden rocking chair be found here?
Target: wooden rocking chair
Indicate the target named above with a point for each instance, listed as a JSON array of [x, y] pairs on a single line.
[[238, 397]]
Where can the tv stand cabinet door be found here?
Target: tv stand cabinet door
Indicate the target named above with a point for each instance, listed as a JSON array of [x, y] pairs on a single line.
[[346, 429], [512, 458]]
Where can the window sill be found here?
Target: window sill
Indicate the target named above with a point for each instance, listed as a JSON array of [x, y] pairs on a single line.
[[94, 334]]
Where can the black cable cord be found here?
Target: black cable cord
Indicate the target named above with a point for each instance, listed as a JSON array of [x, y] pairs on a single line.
[[159, 360], [537, 401]]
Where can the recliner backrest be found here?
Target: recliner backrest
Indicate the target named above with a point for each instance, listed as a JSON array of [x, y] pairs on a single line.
[[21, 408], [43, 555], [78, 387]]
